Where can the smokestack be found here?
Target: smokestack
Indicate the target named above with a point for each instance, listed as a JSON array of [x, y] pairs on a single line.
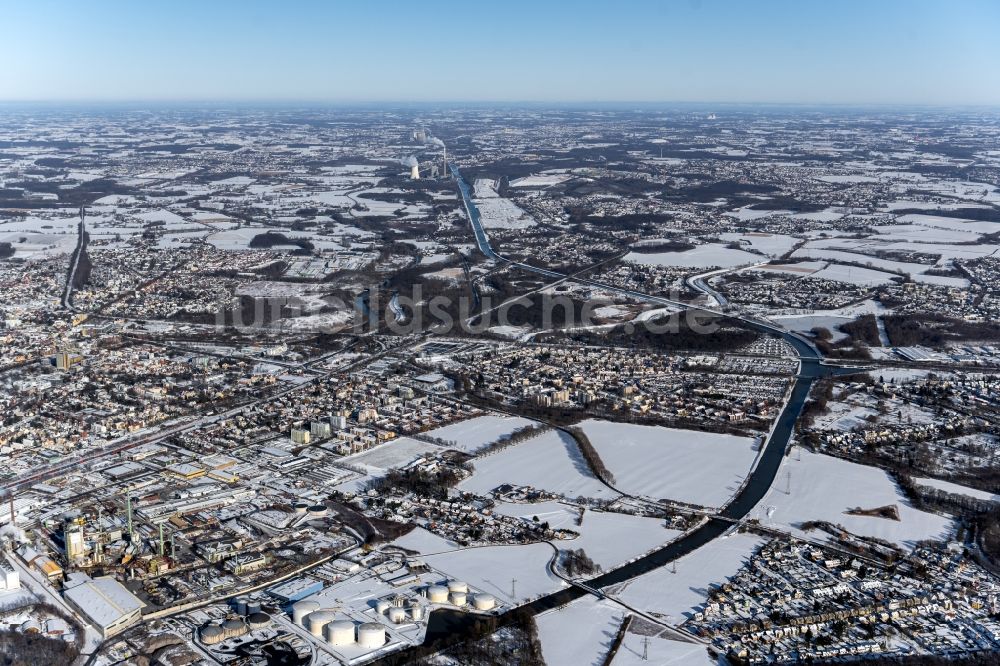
[[415, 172], [444, 161]]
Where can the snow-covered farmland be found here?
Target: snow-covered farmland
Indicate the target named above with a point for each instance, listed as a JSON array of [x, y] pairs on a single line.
[[680, 594], [702, 256], [610, 539], [667, 463], [549, 462], [497, 212], [476, 433], [823, 488]]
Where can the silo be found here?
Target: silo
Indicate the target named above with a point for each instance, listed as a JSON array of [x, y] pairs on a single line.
[[258, 620], [340, 632], [211, 634], [457, 598], [300, 609], [319, 619], [234, 627], [437, 594], [484, 602], [371, 635], [397, 615]]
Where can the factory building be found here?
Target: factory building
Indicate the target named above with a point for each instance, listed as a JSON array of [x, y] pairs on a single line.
[[104, 601]]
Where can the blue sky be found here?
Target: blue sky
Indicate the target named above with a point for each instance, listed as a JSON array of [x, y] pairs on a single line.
[[804, 51]]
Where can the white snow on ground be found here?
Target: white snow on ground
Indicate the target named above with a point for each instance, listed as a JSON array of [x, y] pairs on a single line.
[[661, 651], [540, 180], [497, 212], [915, 270], [475, 433], [828, 319], [957, 489], [393, 454], [582, 632], [492, 568], [424, 542], [551, 461], [666, 463], [747, 214], [702, 256], [681, 594], [956, 224], [610, 539], [853, 275], [773, 245], [823, 487]]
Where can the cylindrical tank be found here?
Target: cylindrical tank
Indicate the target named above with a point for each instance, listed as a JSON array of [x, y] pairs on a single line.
[[416, 611], [253, 607], [340, 632], [381, 606], [302, 608], [457, 586], [300, 507], [397, 615], [234, 627], [319, 619], [437, 594], [484, 602], [371, 635], [457, 598], [259, 620], [240, 605], [211, 634], [318, 510]]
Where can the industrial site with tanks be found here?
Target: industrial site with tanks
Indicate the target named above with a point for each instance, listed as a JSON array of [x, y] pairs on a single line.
[[473, 385]]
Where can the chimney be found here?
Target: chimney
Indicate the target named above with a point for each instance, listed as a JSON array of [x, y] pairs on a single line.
[[415, 172]]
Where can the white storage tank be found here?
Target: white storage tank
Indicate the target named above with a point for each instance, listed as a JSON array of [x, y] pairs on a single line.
[[381, 606], [437, 594], [416, 611], [397, 615], [319, 619], [302, 608], [484, 602], [457, 598], [458, 586], [340, 632], [371, 635]]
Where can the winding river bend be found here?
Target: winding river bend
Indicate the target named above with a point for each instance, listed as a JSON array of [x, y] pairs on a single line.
[[447, 627]]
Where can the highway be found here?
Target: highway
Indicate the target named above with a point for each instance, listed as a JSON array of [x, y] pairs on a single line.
[[81, 246]]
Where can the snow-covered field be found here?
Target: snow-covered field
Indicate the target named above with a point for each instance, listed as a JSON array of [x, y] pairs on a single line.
[[865, 277], [667, 463], [610, 539], [702, 256], [680, 594], [582, 632], [773, 245], [823, 488], [475, 433], [497, 212], [550, 462], [957, 489]]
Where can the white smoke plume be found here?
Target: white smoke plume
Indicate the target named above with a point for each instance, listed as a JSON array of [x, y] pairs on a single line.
[[433, 140], [410, 161]]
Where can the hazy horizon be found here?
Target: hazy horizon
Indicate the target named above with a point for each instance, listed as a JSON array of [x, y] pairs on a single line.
[[892, 53]]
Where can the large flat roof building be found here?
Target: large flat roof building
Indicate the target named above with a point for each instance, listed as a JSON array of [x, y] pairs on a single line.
[[105, 602]]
